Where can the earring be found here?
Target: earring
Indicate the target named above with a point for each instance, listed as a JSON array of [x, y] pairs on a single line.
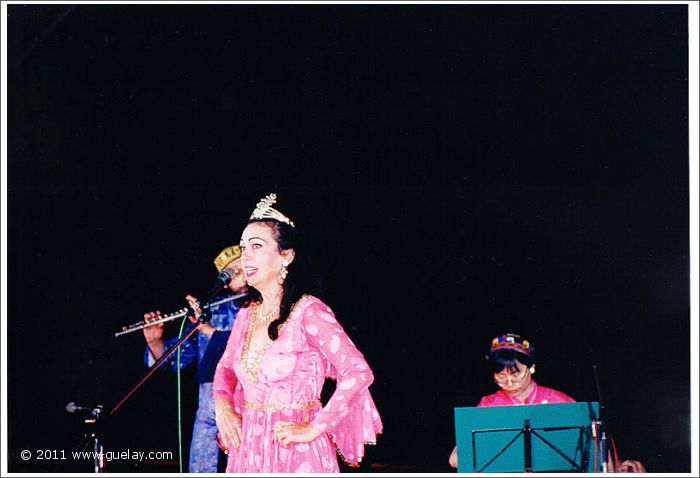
[[532, 370], [283, 274]]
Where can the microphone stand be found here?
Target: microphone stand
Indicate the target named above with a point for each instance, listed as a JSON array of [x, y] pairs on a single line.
[[91, 435], [600, 425], [92, 432]]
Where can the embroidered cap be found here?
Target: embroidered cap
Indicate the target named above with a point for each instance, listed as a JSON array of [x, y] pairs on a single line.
[[227, 255], [512, 341]]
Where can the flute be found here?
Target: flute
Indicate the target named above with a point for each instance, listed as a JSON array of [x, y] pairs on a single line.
[[167, 318]]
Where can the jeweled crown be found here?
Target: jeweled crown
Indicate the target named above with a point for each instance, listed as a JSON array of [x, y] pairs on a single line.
[[264, 210], [226, 256], [512, 341]]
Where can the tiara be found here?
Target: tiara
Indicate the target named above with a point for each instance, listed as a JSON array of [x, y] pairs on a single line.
[[512, 341], [264, 210], [227, 255]]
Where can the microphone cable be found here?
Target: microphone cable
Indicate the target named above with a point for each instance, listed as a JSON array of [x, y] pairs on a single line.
[[179, 395]]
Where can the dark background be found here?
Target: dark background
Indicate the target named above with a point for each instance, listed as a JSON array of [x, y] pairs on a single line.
[[462, 171]]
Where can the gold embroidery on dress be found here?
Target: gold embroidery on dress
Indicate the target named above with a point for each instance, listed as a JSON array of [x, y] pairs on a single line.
[[276, 407], [250, 362], [331, 437]]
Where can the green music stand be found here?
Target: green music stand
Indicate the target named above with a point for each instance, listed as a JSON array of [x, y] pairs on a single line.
[[526, 438]]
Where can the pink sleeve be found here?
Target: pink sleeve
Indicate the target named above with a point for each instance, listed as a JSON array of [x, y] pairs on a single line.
[[350, 416], [226, 384]]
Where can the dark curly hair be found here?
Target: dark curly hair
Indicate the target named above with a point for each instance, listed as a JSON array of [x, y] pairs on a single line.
[[300, 278]]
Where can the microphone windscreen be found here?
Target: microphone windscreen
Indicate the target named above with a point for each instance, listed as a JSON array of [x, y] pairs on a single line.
[[227, 274]]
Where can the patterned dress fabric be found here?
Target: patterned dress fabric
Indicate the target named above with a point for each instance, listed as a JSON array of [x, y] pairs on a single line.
[[283, 383]]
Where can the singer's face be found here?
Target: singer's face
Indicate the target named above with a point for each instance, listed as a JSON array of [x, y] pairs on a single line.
[[515, 383], [261, 259], [238, 282]]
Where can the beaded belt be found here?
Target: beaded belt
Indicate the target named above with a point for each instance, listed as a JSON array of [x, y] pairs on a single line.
[[276, 407]]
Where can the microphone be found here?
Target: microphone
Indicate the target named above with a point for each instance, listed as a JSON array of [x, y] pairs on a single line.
[[72, 408], [224, 277]]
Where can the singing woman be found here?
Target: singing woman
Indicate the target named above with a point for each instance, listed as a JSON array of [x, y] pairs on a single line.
[[282, 347]]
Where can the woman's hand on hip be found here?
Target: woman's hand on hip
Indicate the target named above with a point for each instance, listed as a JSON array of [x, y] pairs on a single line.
[[294, 432]]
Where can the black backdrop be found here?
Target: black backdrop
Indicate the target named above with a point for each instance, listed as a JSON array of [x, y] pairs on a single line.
[[461, 170]]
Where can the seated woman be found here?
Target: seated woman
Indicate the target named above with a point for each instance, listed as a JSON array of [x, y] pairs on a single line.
[[513, 364], [512, 361]]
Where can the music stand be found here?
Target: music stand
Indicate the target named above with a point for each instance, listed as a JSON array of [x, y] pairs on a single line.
[[526, 438]]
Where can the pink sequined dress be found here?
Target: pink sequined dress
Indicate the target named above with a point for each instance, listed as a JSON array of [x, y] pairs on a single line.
[[284, 382]]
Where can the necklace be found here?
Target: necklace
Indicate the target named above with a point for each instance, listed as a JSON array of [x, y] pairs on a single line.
[[264, 318], [251, 365]]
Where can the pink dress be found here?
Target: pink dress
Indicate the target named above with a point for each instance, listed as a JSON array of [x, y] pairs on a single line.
[[284, 383], [537, 395]]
